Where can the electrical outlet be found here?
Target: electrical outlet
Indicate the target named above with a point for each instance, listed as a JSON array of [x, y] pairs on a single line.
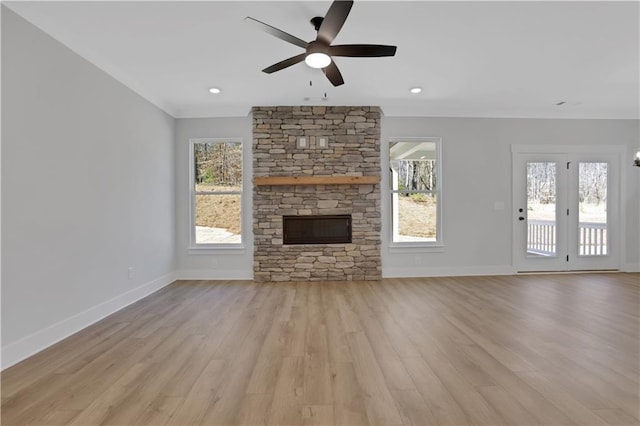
[[131, 272]]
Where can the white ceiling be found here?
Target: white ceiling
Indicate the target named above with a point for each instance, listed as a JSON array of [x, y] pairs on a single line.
[[483, 59]]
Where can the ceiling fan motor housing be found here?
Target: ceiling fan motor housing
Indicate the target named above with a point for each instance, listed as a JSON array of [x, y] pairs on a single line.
[[317, 47]]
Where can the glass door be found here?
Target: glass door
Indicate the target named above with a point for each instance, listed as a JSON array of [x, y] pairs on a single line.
[[566, 212], [540, 201], [593, 198]]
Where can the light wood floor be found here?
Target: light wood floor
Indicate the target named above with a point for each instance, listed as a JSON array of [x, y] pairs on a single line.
[[545, 349]]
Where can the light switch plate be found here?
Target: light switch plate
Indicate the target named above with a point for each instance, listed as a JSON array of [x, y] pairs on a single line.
[[322, 143], [303, 142]]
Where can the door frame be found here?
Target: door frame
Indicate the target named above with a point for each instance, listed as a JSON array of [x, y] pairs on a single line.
[[614, 154]]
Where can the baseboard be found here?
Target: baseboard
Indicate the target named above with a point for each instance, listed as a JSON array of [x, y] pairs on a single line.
[[631, 267], [36, 342], [213, 274], [445, 271]]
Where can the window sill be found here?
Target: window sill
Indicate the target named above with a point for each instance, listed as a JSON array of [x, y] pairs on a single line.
[[217, 249], [415, 248]]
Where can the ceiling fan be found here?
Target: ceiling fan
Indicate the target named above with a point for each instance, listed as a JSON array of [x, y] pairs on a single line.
[[318, 52]]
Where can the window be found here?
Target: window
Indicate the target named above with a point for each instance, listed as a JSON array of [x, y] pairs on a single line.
[[415, 189], [216, 192]]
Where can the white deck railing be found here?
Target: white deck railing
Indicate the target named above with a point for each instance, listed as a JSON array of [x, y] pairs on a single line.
[[592, 238], [541, 238]]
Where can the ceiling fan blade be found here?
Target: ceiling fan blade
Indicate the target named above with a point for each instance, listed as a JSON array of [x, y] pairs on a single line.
[[284, 64], [333, 20], [276, 32], [362, 50], [333, 74]]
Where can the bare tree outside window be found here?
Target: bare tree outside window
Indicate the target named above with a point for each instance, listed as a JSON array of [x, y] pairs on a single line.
[[217, 191], [415, 190], [592, 208], [592, 229], [541, 190]]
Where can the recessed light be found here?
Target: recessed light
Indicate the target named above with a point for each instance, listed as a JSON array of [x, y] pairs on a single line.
[[215, 90], [415, 90]]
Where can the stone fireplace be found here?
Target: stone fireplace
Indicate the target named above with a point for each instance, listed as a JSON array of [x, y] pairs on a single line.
[[333, 171]]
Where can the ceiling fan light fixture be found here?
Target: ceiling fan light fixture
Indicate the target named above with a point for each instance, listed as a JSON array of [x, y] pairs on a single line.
[[319, 52], [317, 60]]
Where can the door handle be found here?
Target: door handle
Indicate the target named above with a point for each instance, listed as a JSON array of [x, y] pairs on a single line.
[[521, 218]]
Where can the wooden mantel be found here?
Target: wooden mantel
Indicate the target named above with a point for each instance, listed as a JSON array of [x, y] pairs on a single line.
[[315, 180]]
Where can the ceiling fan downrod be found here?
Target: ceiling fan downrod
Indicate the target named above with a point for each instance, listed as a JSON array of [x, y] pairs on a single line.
[[316, 22]]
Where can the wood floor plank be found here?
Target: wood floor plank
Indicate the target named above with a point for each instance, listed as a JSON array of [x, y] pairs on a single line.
[[33, 402], [476, 408], [159, 411], [614, 416], [387, 358], [565, 401], [231, 392], [65, 392], [380, 406], [254, 409], [317, 372], [349, 407], [443, 406], [269, 361], [317, 415], [298, 321], [157, 377], [56, 417], [239, 325], [413, 409], [336, 336], [99, 409], [201, 395], [350, 321], [506, 405], [526, 349], [534, 402], [52, 359], [287, 404]]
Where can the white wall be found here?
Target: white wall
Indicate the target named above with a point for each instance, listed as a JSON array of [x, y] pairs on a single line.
[[87, 187], [477, 173], [478, 238], [229, 264]]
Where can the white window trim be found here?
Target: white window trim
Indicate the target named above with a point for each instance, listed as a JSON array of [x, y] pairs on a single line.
[[419, 246], [236, 248]]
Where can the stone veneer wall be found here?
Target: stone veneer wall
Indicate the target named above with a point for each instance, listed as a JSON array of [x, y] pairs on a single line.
[[353, 135]]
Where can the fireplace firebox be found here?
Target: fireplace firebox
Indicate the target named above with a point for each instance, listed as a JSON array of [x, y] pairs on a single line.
[[325, 229]]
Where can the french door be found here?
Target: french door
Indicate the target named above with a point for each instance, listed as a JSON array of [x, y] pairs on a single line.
[[565, 211]]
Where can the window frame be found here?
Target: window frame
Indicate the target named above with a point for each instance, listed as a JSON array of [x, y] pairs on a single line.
[[213, 247], [438, 244]]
